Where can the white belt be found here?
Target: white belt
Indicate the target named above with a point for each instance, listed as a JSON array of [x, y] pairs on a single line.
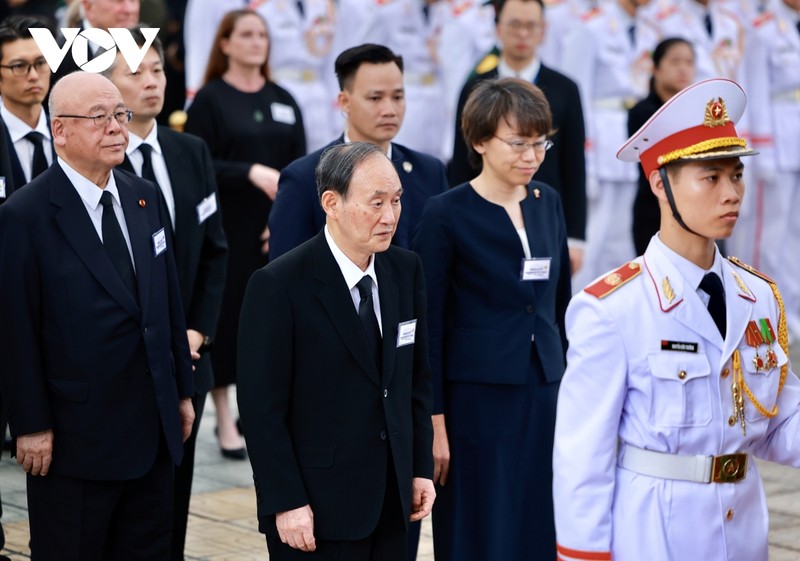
[[614, 103], [295, 75], [791, 96], [699, 469]]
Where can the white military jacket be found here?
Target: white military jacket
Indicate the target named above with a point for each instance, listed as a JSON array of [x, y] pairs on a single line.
[[623, 385]]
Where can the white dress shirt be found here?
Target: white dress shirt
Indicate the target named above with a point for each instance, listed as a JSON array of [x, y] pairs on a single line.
[[159, 166], [17, 129]]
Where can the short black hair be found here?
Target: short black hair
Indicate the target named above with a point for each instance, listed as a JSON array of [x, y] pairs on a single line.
[[500, 4], [349, 61], [14, 28], [140, 40]]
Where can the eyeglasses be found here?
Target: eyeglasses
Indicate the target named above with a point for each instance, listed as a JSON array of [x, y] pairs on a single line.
[[530, 26], [102, 121], [23, 68], [519, 147]]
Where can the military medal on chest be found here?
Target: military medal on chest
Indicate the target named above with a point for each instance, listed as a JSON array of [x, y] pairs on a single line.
[[761, 333]]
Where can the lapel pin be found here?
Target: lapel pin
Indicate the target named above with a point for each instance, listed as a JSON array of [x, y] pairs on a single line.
[[408, 166], [142, 203], [536, 193]]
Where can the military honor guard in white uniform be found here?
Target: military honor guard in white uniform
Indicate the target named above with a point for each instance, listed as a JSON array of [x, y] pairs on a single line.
[[562, 18], [608, 57], [677, 371], [301, 37], [773, 68]]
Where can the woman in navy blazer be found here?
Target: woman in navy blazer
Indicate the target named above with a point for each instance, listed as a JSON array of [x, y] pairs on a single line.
[[496, 263]]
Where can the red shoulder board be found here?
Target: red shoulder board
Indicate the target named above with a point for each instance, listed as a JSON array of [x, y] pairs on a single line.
[[763, 18], [591, 14], [614, 280], [751, 270], [665, 13]]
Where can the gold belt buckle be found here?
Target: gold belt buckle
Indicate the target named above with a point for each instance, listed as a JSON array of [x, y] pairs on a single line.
[[729, 468]]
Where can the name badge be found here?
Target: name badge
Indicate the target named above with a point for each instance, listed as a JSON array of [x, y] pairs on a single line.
[[283, 113], [206, 208], [535, 269], [159, 242], [406, 331], [2, 187]]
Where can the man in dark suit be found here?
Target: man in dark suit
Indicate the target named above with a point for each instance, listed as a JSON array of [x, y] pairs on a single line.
[[520, 31], [24, 82], [371, 83], [180, 166], [5, 172], [334, 376], [96, 366]]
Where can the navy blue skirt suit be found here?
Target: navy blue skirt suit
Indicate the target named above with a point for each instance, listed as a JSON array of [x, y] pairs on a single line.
[[497, 348]]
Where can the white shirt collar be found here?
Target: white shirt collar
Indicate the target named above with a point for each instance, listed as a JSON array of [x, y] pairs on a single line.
[[352, 274], [134, 141], [528, 73], [688, 270], [89, 192], [17, 128]]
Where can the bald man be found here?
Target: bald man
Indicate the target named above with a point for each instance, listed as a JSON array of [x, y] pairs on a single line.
[[93, 350]]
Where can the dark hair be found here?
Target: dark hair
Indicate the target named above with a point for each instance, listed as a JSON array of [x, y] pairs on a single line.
[[661, 51], [217, 60], [500, 4], [349, 61], [509, 99], [14, 28], [338, 164], [139, 38]]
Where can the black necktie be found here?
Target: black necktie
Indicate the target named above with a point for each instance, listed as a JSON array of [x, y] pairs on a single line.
[[147, 163], [712, 285], [426, 12], [709, 27], [798, 26], [115, 245], [632, 34], [366, 311], [39, 162], [301, 9]]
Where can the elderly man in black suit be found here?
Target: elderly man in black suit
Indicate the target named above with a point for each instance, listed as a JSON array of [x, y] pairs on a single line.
[[334, 381], [96, 367], [520, 29], [180, 166], [372, 98]]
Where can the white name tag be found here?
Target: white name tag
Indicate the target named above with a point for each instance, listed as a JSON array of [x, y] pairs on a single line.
[[406, 332], [536, 269], [2, 187], [159, 242], [283, 113], [206, 208]]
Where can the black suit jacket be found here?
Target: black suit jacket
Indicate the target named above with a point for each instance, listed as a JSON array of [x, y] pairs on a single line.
[[201, 251], [13, 172], [79, 355], [318, 412], [297, 216], [6, 171], [564, 167]]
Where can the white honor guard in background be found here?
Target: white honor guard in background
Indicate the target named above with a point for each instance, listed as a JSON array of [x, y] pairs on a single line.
[[676, 378]]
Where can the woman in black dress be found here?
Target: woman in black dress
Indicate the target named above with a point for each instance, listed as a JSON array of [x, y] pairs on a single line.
[[673, 70], [254, 129]]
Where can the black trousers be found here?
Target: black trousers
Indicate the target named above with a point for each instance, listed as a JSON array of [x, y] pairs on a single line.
[[183, 483], [80, 520], [388, 542]]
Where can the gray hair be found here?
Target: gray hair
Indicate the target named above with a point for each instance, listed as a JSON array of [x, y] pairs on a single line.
[[338, 164]]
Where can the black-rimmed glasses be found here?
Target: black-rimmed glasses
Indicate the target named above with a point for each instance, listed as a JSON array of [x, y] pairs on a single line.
[[21, 68], [102, 121]]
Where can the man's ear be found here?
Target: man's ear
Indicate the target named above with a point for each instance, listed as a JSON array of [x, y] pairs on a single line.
[[330, 203], [344, 102], [657, 186], [57, 130]]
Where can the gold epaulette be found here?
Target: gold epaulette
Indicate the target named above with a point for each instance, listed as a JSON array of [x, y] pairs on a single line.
[[614, 280], [749, 269], [487, 64]]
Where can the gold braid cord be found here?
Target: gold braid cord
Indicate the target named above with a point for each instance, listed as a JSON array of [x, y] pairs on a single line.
[[701, 147], [783, 341]]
